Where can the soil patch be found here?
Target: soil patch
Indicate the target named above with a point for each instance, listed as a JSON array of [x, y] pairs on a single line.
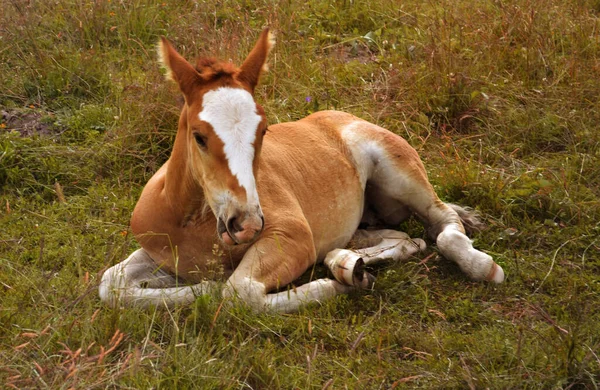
[[27, 123]]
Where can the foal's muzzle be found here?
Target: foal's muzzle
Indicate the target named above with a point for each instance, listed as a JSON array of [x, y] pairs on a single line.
[[243, 229]]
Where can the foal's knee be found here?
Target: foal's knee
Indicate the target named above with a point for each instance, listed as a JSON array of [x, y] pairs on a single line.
[[251, 292]]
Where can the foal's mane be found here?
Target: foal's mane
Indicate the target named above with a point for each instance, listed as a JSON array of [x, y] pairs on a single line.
[[212, 69]]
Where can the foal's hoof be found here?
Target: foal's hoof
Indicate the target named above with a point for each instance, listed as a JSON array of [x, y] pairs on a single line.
[[360, 277], [348, 268], [496, 274]]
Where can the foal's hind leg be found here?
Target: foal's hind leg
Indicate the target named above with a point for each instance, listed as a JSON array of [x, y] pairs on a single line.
[[398, 178], [443, 222], [374, 246]]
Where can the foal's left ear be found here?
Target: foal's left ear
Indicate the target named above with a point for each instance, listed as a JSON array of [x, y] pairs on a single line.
[[256, 62]]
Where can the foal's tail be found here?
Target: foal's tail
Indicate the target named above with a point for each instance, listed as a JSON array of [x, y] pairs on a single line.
[[470, 218]]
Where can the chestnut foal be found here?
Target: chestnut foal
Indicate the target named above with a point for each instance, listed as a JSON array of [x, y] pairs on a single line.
[[264, 206]]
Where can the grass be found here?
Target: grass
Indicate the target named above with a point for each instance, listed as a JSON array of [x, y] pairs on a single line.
[[500, 99]]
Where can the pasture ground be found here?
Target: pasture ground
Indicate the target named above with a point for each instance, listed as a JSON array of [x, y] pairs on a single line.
[[501, 99]]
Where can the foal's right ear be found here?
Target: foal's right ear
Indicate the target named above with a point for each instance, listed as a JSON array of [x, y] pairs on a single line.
[[178, 69]]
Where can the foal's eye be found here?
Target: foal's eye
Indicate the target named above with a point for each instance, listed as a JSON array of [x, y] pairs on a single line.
[[200, 140]]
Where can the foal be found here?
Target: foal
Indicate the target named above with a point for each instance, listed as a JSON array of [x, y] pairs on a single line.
[[265, 206]]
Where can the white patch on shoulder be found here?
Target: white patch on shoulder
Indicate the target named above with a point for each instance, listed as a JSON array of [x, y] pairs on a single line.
[[232, 114]]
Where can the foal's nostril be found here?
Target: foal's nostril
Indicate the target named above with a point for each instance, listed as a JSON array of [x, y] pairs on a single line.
[[233, 226]]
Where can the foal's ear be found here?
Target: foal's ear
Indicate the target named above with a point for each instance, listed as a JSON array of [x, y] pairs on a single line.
[[178, 69], [256, 62]]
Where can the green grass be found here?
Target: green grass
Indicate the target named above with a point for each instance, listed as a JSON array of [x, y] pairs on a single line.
[[500, 99]]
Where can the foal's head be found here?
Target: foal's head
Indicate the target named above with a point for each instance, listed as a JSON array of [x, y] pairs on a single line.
[[223, 128]]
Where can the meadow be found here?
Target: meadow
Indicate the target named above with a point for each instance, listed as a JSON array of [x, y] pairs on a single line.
[[500, 97]]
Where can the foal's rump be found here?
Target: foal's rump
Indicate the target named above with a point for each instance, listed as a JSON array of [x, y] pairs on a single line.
[[396, 185]]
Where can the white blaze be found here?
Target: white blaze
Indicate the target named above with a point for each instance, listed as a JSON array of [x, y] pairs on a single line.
[[232, 114]]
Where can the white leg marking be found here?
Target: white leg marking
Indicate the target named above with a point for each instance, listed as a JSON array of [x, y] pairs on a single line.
[[457, 247], [315, 291], [382, 245], [137, 281], [253, 294], [348, 266]]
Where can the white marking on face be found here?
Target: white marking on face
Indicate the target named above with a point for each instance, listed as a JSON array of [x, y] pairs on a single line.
[[232, 114]]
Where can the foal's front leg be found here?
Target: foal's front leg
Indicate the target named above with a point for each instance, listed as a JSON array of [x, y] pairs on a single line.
[[348, 265], [255, 294], [275, 262], [138, 281]]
